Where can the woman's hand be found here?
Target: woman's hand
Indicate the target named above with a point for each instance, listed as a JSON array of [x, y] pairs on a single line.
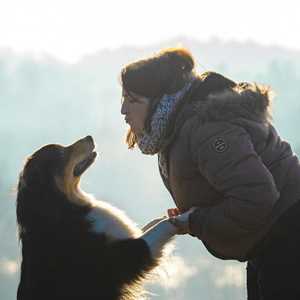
[[173, 212], [180, 221]]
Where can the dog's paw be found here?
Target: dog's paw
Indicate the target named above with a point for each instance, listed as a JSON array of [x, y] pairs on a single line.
[[153, 223]]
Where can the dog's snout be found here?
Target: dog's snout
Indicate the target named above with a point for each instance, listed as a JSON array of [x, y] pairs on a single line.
[[89, 138], [83, 142]]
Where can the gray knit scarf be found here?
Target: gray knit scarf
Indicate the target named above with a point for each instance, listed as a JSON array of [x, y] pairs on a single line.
[[151, 143]]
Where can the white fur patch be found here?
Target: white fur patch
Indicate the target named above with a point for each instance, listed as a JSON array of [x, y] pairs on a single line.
[[111, 221]]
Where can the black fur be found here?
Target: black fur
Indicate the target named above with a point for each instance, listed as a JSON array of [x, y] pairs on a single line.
[[62, 257]]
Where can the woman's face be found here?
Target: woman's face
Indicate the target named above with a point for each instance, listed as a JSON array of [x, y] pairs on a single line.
[[135, 108]]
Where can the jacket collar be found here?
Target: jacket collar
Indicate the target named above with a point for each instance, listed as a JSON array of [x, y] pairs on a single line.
[[214, 97]]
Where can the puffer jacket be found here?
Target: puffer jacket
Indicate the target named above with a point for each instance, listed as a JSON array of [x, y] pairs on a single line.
[[226, 158]]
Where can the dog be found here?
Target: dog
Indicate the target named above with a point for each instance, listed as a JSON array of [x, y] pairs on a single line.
[[73, 246]]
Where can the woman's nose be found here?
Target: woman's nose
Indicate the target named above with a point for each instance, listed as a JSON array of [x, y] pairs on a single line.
[[124, 108]]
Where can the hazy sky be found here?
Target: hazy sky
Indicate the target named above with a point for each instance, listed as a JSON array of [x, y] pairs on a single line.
[[69, 29]]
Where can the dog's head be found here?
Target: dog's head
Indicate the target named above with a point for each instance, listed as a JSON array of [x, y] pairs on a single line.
[[50, 178]]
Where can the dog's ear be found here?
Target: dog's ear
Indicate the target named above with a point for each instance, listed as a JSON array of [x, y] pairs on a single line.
[[39, 202], [34, 175]]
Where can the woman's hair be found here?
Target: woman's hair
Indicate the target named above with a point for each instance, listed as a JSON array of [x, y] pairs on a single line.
[[163, 73]]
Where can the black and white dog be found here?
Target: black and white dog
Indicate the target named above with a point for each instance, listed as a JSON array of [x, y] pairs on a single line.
[[74, 247]]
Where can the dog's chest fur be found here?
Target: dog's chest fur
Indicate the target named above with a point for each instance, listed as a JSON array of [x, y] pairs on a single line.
[[114, 223]]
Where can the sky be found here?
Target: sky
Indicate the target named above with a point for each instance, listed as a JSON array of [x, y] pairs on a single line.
[[70, 29]]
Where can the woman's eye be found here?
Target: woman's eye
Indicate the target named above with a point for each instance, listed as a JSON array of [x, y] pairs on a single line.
[[130, 99]]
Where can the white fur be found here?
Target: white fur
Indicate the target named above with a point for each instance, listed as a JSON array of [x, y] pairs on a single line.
[[112, 221], [109, 220]]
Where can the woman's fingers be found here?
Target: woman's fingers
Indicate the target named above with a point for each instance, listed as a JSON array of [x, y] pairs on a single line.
[[181, 221], [173, 212], [170, 212]]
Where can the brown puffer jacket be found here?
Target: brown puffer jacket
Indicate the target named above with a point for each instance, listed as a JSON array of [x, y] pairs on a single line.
[[227, 159]]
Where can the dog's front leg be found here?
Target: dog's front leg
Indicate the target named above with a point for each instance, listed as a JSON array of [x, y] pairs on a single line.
[[152, 223], [158, 235]]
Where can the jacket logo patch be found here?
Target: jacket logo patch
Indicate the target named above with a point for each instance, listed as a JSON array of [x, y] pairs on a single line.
[[219, 145]]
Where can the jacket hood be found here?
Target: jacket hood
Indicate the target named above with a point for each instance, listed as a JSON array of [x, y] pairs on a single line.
[[240, 100]]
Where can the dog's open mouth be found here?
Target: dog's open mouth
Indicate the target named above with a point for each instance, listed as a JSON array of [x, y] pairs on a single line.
[[84, 164]]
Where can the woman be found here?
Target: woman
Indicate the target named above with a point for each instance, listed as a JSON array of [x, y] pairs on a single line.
[[235, 183]]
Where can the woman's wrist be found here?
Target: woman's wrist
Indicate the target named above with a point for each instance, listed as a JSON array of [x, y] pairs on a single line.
[[182, 221]]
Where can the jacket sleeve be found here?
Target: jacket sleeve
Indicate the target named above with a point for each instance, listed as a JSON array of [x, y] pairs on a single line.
[[226, 157]]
